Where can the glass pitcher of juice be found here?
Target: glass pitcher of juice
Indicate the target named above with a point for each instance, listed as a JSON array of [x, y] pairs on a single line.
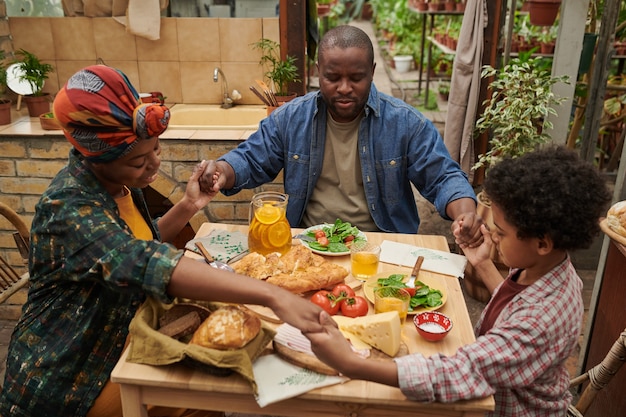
[[269, 229]]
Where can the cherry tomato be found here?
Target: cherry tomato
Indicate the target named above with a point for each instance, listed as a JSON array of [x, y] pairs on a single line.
[[411, 291], [354, 306], [349, 238], [323, 240], [319, 233], [343, 291], [326, 300]]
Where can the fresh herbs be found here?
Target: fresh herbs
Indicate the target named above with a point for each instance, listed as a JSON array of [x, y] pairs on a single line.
[[337, 237], [424, 296]]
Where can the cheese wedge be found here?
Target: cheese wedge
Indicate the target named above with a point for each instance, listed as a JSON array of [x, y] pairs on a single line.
[[354, 339], [382, 330]]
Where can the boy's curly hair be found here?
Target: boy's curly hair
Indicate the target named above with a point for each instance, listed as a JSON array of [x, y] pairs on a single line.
[[550, 192]]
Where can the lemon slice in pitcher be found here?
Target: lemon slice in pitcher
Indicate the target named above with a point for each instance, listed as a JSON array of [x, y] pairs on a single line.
[[268, 214], [279, 234]]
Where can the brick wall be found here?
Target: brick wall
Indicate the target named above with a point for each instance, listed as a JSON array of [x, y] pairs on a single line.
[[27, 165]]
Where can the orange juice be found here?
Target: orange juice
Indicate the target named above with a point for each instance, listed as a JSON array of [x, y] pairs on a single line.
[[269, 229], [384, 304], [364, 264]]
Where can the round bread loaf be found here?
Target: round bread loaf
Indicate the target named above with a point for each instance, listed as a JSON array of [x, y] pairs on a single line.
[[228, 327], [616, 218]]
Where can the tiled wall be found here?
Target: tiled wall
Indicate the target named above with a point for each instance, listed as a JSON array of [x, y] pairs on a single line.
[[180, 64]]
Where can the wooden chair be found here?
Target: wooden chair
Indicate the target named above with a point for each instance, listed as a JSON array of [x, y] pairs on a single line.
[[598, 376], [10, 280]]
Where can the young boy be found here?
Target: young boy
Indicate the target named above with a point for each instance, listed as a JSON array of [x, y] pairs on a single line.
[[544, 204]]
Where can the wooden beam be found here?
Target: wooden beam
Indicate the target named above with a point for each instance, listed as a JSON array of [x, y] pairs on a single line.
[[293, 38]]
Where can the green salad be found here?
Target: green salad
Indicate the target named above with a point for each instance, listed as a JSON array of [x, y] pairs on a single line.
[[335, 237], [421, 296]]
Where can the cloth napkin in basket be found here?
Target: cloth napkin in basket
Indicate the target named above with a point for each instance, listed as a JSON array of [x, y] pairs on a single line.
[[221, 244]]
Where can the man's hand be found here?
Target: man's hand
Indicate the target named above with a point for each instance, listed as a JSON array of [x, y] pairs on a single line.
[[466, 229], [217, 175]]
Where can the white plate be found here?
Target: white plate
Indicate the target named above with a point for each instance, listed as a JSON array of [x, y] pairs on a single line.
[[361, 235]]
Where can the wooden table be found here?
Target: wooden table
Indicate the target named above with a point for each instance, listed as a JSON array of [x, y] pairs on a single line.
[[180, 386]]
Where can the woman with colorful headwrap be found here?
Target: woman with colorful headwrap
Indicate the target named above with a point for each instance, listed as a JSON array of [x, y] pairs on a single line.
[[96, 255]]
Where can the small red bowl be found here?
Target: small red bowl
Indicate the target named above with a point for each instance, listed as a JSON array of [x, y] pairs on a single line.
[[432, 325]]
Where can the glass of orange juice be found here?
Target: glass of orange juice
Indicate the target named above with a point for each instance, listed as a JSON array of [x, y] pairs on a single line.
[[392, 299], [269, 229], [364, 259]]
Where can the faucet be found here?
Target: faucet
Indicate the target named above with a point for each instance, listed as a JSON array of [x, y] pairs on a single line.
[[227, 101]]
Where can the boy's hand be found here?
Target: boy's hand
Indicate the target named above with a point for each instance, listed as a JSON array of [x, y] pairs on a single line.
[[478, 254]]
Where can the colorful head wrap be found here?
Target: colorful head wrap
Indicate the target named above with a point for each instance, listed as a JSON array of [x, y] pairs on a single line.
[[102, 115]]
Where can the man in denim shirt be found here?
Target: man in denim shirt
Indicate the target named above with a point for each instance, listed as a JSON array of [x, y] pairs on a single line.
[[351, 152]]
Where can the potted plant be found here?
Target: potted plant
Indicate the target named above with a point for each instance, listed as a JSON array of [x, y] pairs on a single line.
[[444, 90], [5, 103], [402, 56], [515, 118], [35, 73], [281, 72], [543, 12], [515, 114]]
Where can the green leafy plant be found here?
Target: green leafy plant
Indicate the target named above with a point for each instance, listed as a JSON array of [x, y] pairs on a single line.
[[35, 72], [515, 115], [280, 72]]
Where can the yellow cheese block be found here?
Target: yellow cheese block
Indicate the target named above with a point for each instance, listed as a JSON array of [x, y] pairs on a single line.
[[383, 330], [354, 339]]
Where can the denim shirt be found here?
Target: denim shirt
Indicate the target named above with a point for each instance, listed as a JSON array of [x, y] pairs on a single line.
[[398, 147]]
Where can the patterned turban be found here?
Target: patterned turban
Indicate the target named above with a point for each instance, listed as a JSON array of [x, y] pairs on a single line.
[[102, 115]]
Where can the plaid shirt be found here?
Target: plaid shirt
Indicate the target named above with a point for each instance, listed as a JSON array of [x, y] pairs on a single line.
[[521, 360], [88, 276]]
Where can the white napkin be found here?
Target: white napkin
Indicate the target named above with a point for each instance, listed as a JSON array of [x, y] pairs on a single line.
[[434, 260], [221, 244], [278, 380]]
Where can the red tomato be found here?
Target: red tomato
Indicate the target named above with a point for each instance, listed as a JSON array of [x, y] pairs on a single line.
[[319, 233], [323, 240], [411, 291], [354, 307], [349, 238], [326, 300], [343, 291]]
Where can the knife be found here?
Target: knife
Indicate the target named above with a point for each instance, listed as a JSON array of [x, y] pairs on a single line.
[[415, 272]]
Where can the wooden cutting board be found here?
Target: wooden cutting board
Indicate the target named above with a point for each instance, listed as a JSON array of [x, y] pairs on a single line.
[[306, 361]]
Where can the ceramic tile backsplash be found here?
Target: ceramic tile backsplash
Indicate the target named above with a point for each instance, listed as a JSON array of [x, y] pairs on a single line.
[[33, 34], [197, 83], [180, 64], [163, 49], [163, 76], [112, 41], [198, 39], [73, 38], [236, 37]]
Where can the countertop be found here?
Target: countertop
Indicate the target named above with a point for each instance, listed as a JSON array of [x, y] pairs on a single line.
[[23, 125]]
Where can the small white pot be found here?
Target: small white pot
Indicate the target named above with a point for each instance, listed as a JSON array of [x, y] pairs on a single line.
[[403, 62]]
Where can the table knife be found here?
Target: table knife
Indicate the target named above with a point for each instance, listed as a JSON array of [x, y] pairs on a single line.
[[415, 272]]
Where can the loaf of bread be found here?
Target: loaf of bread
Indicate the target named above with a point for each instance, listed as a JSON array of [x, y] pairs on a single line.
[[616, 218], [228, 327]]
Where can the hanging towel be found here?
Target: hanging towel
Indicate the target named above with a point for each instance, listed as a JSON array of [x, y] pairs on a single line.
[[143, 18]]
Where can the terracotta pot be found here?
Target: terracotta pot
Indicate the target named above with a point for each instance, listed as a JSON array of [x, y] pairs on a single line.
[[283, 99], [543, 12], [433, 7], [5, 111], [547, 48], [37, 104], [449, 6], [419, 5], [49, 122], [460, 7], [323, 10]]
